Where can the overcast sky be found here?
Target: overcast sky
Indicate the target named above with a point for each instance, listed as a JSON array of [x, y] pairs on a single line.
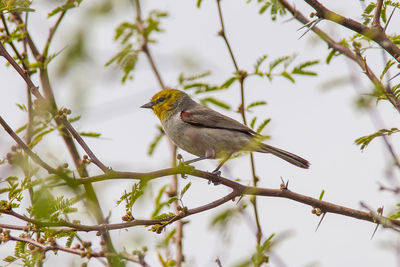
[[307, 119]]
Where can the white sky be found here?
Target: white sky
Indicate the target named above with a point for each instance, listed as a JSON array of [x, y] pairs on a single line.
[[319, 125]]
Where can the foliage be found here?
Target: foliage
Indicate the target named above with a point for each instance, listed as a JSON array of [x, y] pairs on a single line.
[[132, 37], [49, 200], [364, 141]]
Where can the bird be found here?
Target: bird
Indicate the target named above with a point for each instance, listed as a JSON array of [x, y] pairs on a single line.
[[206, 133]]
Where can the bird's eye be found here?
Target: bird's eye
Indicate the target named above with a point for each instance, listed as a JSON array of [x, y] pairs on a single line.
[[160, 100]]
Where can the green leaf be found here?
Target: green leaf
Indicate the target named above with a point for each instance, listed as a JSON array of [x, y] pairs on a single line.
[[9, 6], [22, 107], [255, 104], [287, 76], [74, 119], [253, 121], [277, 62], [9, 259], [383, 13], [370, 8], [68, 5], [262, 125], [90, 134], [131, 197], [228, 83], [387, 67], [126, 59], [365, 140], [166, 215], [198, 3], [321, 195], [396, 214], [182, 78], [22, 128], [172, 199], [260, 60], [215, 102], [300, 68], [183, 191], [70, 239], [39, 137]]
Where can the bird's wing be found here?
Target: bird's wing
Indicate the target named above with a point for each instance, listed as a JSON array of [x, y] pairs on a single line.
[[205, 117]]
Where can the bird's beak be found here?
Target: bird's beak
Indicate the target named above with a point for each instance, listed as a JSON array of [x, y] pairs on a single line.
[[148, 105]]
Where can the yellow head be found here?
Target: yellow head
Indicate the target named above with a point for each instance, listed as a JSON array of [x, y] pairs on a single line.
[[165, 102]]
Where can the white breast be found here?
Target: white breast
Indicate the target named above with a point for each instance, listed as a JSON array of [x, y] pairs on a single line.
[[202, 141]]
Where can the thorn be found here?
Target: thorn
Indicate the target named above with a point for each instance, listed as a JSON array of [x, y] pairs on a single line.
[[307, 24], [380, 212], [373, 234], [390, 17], [313, 23], [217, 260], [241, 196], [394, 76], [284, 186], [320, 221]]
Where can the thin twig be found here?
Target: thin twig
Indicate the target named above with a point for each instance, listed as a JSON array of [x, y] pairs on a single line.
[[376, 34], [242, 76], [93, 202], [223, 35], [3, 19], [238, 189], [137, 222], [344, 50], [381, 220], [145, 46], [174, 185], [85, 147], [21, 143], [77, 251], [376, 21], [53, 30], [24, 75], [16, 16]]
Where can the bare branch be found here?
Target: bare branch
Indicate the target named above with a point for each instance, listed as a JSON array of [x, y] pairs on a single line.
[[238, 190], [31, 154], [241, 78], [378, 35], [145, 46], [34, 89], [376, 22], [51, 34], [83, 252], [345, 51]]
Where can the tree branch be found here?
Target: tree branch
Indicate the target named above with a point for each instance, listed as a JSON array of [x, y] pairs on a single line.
[[145, 46], [24, 75], [376, 22], [83, 252], [238, 190], [345, 51], [93, 203], [241, 78], [376, 34], [30, 153], [3, 19], [51, 34]]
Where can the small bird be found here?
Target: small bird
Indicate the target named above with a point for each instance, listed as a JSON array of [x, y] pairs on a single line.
[[207, 133]]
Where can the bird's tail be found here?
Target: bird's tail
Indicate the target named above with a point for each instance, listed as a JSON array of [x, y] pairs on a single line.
[[289, 157]]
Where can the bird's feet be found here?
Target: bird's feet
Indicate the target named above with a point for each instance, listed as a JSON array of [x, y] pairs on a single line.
[[215, 178], [217, 172]]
